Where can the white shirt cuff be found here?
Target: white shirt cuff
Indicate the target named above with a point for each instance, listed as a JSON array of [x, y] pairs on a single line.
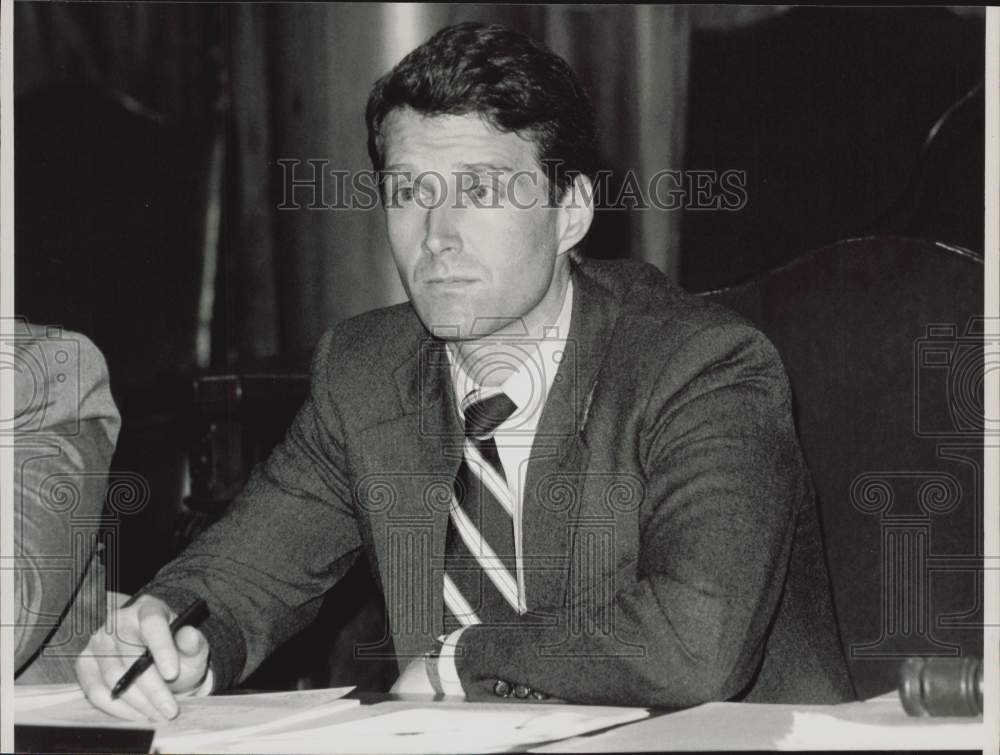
[[447, 670], [204, 690]]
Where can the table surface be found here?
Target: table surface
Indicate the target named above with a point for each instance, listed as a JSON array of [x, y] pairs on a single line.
[[879, 723]]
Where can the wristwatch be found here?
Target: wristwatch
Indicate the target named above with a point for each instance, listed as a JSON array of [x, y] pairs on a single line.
[[431, 658]]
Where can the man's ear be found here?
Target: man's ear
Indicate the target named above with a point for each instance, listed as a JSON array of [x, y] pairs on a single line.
[[576, 213]]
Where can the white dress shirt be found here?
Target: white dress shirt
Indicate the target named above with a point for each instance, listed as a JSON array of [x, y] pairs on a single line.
[[537, 362]]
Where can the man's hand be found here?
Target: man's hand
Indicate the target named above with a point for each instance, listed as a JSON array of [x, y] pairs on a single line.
[[180, 662], [414, 680]]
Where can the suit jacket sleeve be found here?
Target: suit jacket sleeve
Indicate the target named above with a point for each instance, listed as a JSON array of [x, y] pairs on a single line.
[[722, 473], [62, 453], [290, 535]]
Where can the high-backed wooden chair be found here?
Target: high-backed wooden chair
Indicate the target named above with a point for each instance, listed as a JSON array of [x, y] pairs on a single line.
[[883, 342]]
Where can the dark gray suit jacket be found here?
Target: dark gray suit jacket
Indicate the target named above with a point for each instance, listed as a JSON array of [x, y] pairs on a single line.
[[672, 542]]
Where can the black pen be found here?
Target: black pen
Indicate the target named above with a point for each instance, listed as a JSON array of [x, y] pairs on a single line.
[[193, 615]]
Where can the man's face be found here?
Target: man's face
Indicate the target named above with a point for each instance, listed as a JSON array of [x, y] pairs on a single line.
[[473, 236]]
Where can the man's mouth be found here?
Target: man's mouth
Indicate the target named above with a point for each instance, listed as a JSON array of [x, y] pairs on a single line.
[[449, 281]]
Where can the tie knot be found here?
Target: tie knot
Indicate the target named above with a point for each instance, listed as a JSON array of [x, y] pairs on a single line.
[[484, 415]]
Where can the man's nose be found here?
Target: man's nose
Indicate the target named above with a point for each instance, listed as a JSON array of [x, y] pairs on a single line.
[[441, 228]]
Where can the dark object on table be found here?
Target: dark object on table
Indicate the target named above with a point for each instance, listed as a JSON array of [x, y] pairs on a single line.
[[32, 738], [941, 686]]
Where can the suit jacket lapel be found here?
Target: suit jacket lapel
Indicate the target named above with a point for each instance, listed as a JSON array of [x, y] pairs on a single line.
[[556, 471], [410, 463]]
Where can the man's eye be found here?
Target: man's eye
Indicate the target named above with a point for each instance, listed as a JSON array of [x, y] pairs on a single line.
[[403, 194], [421, 193], [483, 192]]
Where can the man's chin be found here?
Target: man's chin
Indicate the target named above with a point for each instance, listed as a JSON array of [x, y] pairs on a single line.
[[477, 330], [454, 333], [455, 326], [450, 333]]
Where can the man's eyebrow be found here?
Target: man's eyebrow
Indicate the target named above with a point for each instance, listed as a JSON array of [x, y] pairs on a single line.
[[486, 168]]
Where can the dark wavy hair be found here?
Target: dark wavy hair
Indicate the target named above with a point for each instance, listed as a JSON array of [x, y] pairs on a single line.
[[505, 78]]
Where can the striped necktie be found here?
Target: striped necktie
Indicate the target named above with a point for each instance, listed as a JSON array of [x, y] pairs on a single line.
[[480, 581]]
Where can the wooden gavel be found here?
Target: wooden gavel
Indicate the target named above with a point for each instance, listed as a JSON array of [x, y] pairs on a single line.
[[942, 686]]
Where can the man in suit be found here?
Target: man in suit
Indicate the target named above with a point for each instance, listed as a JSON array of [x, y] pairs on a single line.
[[569, 478]]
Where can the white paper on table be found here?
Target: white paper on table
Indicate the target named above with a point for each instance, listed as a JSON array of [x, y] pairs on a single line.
[[880, 727], [213, 720], [445, 730], [33, 696], [202, 720]]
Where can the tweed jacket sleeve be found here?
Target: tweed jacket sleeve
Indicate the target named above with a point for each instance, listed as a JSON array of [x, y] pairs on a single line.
[[290, 535]]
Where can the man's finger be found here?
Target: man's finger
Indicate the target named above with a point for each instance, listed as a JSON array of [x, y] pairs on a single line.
[[151, 686], [190, 642], [192, 648], [112, 670], [154, 628], [95, 688], [120, 708]]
